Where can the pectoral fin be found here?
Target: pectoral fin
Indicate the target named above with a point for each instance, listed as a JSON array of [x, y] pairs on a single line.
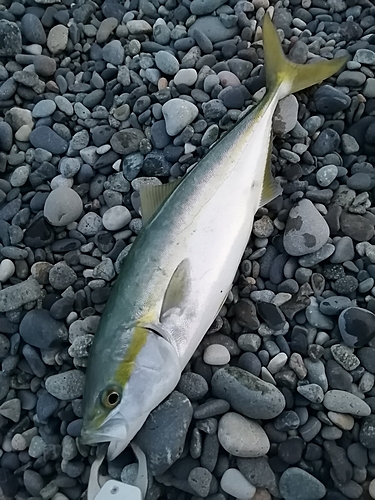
[[177, 290], [153, 197]]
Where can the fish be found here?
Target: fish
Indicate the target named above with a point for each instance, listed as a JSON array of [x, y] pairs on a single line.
[[180, 268]]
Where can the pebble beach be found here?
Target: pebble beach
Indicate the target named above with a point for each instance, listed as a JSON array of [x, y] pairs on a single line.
[[98, 98]]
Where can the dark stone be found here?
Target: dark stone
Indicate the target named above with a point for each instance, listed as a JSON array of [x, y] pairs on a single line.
[[357, 326]]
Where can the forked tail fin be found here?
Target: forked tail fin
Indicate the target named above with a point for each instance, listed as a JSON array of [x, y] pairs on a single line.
[[285, 76]]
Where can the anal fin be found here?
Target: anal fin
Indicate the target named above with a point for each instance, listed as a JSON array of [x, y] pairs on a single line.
[[271, 188]]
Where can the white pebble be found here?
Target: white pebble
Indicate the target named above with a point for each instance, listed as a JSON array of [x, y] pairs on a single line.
[[235, 484], [371, 489], [277, 362], [216, 354], [242, 437], [19, 442], [61, 181], [103, 149], [7, 269], [116, 218]]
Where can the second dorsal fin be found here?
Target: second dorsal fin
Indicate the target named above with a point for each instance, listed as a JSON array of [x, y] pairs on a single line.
[[152, 198]]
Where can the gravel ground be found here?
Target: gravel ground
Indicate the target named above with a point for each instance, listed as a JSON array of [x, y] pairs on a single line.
[[98, 98]]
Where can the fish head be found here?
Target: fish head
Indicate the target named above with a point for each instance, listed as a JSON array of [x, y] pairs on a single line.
[[118, 400]]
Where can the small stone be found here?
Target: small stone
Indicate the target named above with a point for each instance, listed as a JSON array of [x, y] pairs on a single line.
[[10, 35], [90, 224], [236, 485], [63, 206], [127, 141], [113, 52], [357, 326], [166, 62], [297, 484], [242, 437], [171, 418], [15, 296], [213, 28], [39, 329], [345, 402], [351, 79], [186, 76], [61, 276], [367, 432], [116, 218], [247, 394], [312, 392], [7, 269], [193, 385], [356, 226], [329, 100], [178, 113], [327, 141], [216, 354], [345, 356], [285, 117], [66, 385], [326, 175], [46, 138], [306, 230], [200, 480], [57, 39]]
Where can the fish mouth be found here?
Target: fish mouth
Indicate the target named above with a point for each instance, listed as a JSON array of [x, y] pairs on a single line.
[[92, 438]]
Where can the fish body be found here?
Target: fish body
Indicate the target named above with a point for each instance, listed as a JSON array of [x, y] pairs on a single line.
[[180, 268]]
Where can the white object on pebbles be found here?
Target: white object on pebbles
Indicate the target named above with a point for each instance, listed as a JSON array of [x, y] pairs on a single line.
[[235, 484], [116, 218], [216, 354], [242, 437], [7, 269], [63, 206]]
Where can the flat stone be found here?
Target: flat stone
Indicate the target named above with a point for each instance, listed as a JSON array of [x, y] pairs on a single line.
[[306, 230], [39, 329], [235, 484], [357, 326], [127, 141], [63, 206], [242, 437], [213, 28], [46, 138], [66, 385], [15, 296], [247, 394], [57, 39], [170, 418], [345, 402], [297, 484], [178, 113], [10, 35]]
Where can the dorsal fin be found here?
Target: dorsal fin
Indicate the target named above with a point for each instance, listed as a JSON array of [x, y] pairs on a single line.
[[271, 188], [152, 198]]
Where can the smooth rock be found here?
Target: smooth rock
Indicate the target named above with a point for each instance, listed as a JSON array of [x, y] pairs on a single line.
[[345, 402], [247, 394], [178, 113], [242, 437], [306, 230], [171, 418]]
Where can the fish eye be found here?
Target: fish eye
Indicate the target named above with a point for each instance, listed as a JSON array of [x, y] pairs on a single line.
[[111, 397]]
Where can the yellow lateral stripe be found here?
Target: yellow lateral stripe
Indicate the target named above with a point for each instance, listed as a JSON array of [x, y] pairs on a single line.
[[126, 367]]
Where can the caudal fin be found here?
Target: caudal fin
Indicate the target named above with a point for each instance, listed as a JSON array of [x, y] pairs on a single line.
[[288, 77]]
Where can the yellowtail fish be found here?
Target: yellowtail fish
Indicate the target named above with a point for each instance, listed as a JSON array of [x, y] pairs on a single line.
[[180, 268]]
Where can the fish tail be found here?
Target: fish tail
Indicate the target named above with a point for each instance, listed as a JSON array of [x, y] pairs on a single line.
[[286, 77]]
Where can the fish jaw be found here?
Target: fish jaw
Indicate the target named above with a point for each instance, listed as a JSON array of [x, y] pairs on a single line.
[[156, 373]]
